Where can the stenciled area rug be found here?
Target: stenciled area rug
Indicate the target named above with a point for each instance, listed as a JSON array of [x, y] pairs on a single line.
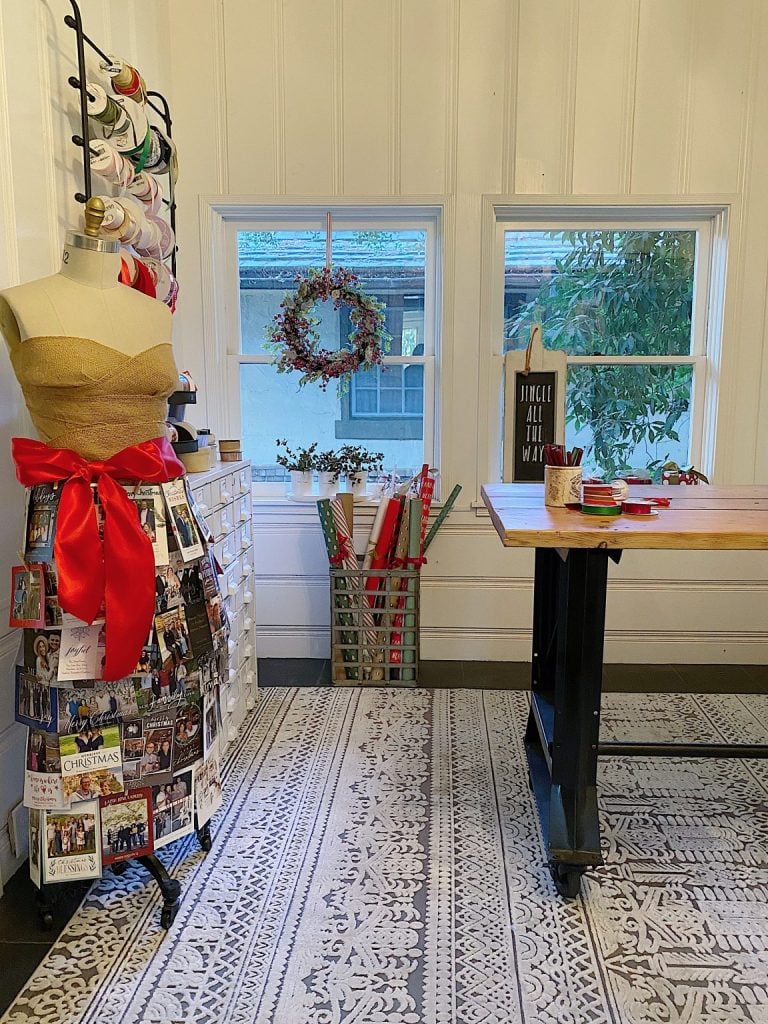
[[378, 861]]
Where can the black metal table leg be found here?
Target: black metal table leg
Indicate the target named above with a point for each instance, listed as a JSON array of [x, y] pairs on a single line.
[[169, 887], [564, 721]]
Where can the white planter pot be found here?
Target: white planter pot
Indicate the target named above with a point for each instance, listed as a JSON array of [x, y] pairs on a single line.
[[301, 483], [327, 485], [358, 484]]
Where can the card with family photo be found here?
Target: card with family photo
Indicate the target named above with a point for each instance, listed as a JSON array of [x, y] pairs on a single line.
[[126, 826], [36, 703], [182, 521], [91, 784], [35, 845], [43, 753], [188, 733], [42, 509], [209, 575], [92, 749], [157, 761], [72, 847], [27, 605], [148, 499], [133, 750], [42, 649], [100, 704], [168, 584], [211, 722], [149, 658], [208, 796], [173, 637], [173, 808]]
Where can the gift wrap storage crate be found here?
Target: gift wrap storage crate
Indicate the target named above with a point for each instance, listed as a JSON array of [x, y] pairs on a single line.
[[374, 632]]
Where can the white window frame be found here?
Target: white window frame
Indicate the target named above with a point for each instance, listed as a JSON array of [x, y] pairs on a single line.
[[711, 223], [226, 220]]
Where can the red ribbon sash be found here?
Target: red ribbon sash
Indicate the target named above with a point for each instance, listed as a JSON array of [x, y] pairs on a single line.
[[121, 572]]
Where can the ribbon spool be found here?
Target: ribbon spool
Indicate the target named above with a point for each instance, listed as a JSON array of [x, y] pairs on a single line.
[[125, 79], [121, 220], [109, 164], [640, 507], [601, 510], [163, 279], [146, 189], [107, 111]]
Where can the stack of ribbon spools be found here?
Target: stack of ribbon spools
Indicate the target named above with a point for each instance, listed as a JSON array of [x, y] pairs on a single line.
[[139, 161]]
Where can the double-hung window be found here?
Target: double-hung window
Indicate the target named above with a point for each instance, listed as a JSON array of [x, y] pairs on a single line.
[[627, 298], [390, 408]]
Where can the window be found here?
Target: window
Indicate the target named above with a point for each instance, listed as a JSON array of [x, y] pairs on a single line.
[[627, 301], [390, 408]]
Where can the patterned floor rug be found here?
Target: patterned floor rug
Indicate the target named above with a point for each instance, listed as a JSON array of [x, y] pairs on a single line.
[[378, 861]]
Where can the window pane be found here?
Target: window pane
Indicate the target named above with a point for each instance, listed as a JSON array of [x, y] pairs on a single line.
[[272, 406], [629, 417], [268, 262], [390, 265], [614, 292]]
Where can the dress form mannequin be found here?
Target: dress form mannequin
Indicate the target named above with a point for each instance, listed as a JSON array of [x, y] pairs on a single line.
[[93, 358], [107, 312]]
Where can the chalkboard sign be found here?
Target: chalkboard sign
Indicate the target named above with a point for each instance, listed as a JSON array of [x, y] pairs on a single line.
[[535, 400]]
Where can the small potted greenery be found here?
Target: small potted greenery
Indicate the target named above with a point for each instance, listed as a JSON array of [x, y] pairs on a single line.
[[300, 463], [357, 463], [329, 468]]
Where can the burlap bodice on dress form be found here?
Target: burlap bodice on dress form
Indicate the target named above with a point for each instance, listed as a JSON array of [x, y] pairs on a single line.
[[87, 396]]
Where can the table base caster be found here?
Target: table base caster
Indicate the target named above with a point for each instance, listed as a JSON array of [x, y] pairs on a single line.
[[567, 878]]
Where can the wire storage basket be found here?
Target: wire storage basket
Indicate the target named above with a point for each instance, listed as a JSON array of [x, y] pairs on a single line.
[[374, 626]]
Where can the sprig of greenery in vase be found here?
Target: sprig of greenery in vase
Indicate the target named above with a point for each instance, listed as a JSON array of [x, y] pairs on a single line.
[[300, 460], [356, 460]]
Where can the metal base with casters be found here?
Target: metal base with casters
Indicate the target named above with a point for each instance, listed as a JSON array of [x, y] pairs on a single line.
[[562, 738], [170, 888]]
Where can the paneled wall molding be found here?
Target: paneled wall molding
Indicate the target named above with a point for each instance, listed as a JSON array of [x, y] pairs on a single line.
[[515, 645], [525, 584]]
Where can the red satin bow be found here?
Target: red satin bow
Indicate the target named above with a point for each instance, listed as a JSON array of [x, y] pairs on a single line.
[[121, 573]]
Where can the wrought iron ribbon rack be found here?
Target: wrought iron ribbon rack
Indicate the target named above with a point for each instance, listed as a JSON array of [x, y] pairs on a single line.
[[155, 100]]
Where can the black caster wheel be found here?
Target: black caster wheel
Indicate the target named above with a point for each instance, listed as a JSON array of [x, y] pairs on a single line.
[[567, 878], [46, 919], [119, 868], [168, 914], [205, 838]]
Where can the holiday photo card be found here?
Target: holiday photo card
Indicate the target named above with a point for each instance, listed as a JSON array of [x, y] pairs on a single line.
[[71, 843], [126, 826], [27, 596], [36, 702]]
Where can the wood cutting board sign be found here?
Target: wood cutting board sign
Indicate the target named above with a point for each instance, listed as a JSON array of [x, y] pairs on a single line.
[[534, 407], [535, 399]]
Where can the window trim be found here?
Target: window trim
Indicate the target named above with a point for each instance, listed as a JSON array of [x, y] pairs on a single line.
[[221, 219], [710, 217]]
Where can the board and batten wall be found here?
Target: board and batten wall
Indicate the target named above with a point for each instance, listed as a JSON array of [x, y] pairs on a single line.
[[286, 100], [40, 170]]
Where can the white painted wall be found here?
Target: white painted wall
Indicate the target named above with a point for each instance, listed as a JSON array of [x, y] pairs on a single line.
[[284, 99], [39, 173]]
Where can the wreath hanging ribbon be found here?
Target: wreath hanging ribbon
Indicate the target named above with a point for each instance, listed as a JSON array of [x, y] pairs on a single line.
[[296, 343]]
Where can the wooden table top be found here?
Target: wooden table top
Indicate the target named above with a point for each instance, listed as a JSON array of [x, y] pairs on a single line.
[[700, 517]]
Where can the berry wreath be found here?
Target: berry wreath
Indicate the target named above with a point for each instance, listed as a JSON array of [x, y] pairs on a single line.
[[293, 337]]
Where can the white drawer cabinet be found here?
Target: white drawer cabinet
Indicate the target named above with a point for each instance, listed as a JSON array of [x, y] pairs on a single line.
[[223, 495]]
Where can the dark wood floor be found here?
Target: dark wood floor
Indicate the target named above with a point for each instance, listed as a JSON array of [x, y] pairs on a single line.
[[24, 944], [495, 675]]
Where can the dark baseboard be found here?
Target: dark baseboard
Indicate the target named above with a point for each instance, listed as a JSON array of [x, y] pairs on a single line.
[[515, 675]]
